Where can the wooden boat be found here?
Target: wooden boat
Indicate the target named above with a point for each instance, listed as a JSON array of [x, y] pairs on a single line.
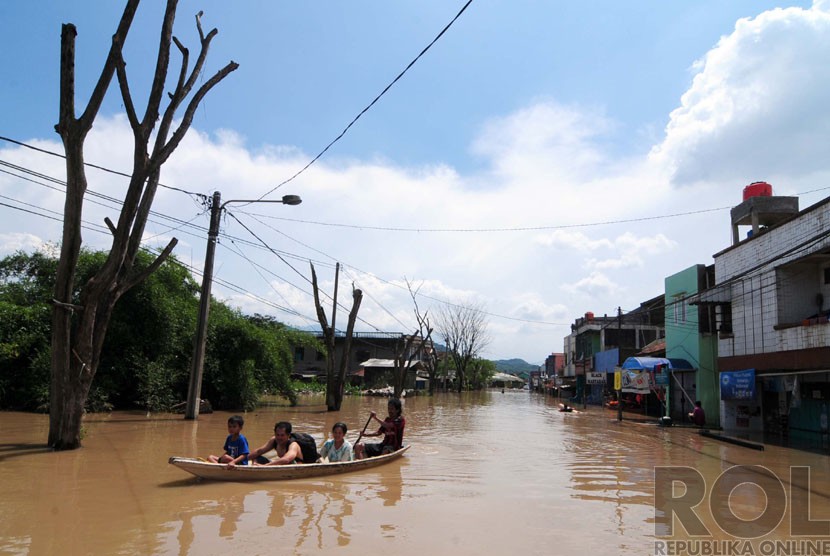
[[219, 471]]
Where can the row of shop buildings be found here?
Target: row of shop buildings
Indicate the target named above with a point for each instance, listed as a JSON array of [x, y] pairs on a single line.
[[748, 336]]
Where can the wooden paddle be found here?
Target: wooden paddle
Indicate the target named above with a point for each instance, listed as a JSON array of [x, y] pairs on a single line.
[[369, 420]]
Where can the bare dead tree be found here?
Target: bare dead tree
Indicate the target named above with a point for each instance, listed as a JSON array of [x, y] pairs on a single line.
[[335, 381], [79, 329], [464, 330], [340, 383], [428, 354], [403, 358]]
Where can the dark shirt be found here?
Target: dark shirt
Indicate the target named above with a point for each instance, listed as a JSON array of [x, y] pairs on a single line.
[[394, 435], [699, 417]]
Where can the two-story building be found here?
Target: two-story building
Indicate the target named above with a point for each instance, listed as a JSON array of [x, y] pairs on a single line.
[[622, 335]]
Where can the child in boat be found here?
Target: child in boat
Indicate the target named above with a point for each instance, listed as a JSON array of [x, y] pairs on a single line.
[[391, 429], [337, 448], [236, 445]]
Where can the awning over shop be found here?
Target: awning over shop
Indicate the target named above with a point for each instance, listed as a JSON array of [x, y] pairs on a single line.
[[648, 364]]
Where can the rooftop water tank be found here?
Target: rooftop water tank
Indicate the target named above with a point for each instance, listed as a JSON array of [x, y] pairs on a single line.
[[589, 316], [757, 189]]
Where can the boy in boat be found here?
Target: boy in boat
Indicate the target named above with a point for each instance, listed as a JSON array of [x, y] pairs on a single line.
[[288, 451], [236, 445], [337, 448], [391, 429]]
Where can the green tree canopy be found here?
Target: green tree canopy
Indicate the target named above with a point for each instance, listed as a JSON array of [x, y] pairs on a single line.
[[145, 361]]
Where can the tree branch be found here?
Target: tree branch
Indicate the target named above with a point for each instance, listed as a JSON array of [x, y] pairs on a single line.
[[104, 80], [162, 62], [124, 86], [68, 306], [141, 276], [110, 225], [321, 314], [161, 156], [183, 71]]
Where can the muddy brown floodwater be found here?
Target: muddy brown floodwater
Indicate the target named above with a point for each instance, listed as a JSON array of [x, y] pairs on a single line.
[[488, 473]]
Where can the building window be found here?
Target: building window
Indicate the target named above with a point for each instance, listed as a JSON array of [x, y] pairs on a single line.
[[725, 320], [299, 354], [679, 306], [827, 275]]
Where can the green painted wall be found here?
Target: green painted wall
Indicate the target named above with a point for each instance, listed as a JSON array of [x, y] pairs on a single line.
[[684, 341]]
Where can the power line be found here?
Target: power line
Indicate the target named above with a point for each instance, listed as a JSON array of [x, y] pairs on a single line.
[[105, 231], [291, 266], [476, 230], [97, 167], [383, 92]]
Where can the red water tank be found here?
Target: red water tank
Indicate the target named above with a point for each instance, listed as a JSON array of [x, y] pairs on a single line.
[[757, 189], [589, 316]]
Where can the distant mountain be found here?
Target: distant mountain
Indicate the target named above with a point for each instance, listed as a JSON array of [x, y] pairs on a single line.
[[518, 367]]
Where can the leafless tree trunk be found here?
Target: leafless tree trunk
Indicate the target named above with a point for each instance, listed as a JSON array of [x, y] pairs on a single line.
[[340, 384], [79, 329], [464, 330], [335, 381], [404, 355], [429, 356]]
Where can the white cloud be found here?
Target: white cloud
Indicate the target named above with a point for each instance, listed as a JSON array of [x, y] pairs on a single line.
[[565, 239], [595, 284], [20, 241], [757, 106], [754, 110]]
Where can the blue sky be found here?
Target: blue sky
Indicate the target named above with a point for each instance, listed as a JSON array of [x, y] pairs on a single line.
[[526, 114]]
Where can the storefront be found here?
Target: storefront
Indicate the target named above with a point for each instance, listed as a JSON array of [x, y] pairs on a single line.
[[787, 407], [658, 385]]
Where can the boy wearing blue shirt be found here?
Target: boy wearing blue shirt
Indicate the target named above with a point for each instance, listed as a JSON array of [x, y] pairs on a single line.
[[236, 445]]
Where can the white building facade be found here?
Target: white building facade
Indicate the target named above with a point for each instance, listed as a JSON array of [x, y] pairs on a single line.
[[772, 299]]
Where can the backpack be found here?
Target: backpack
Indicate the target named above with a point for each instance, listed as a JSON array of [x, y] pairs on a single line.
[[308, 446]]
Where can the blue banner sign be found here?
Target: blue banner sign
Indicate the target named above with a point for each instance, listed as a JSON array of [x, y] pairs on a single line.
[[737, 385]]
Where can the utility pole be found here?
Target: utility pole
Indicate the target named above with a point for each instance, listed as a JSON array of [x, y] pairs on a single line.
[[619, 347], [195, 386], [194, 389]]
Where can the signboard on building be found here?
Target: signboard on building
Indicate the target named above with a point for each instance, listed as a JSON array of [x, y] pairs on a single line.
[[737, 385], [635, 382], [594, 377]]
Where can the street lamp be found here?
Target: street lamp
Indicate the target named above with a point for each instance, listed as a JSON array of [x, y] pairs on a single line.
[[195, 385]]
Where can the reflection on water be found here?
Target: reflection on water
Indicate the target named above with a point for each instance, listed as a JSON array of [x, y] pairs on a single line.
[[488, 472]]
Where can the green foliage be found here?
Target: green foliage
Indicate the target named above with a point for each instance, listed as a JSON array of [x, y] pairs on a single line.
[[24, 331], [314, 386], [147, 354], [479, 373]]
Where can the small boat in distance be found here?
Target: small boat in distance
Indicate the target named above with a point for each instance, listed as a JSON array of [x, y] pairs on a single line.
[[220, 472]]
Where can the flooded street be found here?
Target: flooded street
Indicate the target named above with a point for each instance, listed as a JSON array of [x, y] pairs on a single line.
[[487, 473]]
